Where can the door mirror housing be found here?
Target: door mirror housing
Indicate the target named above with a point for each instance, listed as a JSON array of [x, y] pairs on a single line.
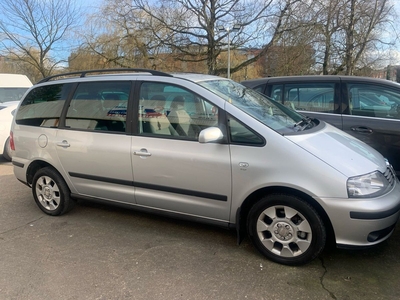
[[211, 134]]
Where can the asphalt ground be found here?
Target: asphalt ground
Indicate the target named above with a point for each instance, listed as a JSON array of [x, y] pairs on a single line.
[[103, 252]]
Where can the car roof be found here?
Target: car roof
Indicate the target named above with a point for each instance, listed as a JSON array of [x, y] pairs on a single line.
[[196, 77], [314, 78], [122, 73]]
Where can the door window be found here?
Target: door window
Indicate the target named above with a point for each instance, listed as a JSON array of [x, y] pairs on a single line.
[[316, 97], [99, 106], [374, 101], [171, 111]]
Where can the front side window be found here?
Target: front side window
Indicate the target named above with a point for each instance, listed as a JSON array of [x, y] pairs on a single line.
[[99, 106], [172, 111], [242, 135], [374, 101], [43, 106]]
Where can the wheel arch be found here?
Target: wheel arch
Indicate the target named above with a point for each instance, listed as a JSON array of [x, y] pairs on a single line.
[[34, 167], [243, 210]]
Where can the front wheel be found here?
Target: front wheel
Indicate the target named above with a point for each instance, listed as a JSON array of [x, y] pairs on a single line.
[[286, 229], [51, 193]]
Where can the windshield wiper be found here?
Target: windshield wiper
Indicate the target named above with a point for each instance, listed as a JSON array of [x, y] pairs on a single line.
[[303, 123]]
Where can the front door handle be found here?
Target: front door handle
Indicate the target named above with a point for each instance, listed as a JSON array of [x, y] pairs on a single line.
[[362, 129], [64, 144], [142, 153]]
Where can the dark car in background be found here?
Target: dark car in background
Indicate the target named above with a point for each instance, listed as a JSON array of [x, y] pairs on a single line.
[[366, 108]]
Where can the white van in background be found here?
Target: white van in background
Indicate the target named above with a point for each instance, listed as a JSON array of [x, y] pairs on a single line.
[[12, 88]]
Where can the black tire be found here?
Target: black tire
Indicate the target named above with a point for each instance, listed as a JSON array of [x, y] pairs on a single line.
[[7, 150], [51, 193], [286, 229]]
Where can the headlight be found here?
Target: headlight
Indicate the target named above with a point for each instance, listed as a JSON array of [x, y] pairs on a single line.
[[368, 186]]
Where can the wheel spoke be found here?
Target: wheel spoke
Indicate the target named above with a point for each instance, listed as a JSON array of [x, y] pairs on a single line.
[[268, 243], [290, 212], [304, 226], [52, 205], [262, 226], [46, 180], [56, 198], [303, 245], [270, 212], [41, 200], [287, 252]]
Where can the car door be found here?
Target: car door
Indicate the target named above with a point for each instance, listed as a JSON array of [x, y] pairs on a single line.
[[92, 145], [172, 171], [374, 118]]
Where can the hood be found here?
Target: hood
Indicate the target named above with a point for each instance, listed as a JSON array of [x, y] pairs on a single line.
[[340, 150]]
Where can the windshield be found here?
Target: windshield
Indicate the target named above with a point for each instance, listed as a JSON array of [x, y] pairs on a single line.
[[11, 94], [264, 109]]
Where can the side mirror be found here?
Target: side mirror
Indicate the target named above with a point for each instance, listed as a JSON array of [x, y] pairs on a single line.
[[210, 134]]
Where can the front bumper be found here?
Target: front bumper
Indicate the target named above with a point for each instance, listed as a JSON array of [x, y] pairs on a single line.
[[363, 222]]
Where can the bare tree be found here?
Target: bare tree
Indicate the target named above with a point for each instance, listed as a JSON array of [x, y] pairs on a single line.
[[142, 30], [293, 52], [118, 37], [34, 30], [191, 27], [347, 29]]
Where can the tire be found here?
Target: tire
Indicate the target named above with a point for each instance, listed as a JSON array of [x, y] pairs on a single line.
[[286, 229], [51, 193], [7, 150]]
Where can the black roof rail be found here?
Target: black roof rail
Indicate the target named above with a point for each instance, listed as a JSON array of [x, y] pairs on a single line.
[[83, 73]]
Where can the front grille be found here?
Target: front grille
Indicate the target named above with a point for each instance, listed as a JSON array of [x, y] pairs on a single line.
[[389, 174]]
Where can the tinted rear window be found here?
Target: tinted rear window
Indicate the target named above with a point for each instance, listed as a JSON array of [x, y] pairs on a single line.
[[43, 106]]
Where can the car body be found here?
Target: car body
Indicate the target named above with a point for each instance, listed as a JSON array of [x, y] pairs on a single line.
[[207, 149], [366, 108], [12, 88]]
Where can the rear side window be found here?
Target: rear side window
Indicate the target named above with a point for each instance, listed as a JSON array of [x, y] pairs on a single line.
[[43, 106], [99, 106], [317, 97]]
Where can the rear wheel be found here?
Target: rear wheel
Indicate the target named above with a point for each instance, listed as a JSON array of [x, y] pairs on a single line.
[[51, 193], [286, 229]]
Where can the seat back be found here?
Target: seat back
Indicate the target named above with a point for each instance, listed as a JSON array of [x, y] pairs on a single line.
[[178, 117]]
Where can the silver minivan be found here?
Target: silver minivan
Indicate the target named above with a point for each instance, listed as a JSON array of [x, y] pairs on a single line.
[[203, 148]]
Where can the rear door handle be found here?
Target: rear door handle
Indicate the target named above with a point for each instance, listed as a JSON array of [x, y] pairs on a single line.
[[64, 144], [362, 129], [142, 152]]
